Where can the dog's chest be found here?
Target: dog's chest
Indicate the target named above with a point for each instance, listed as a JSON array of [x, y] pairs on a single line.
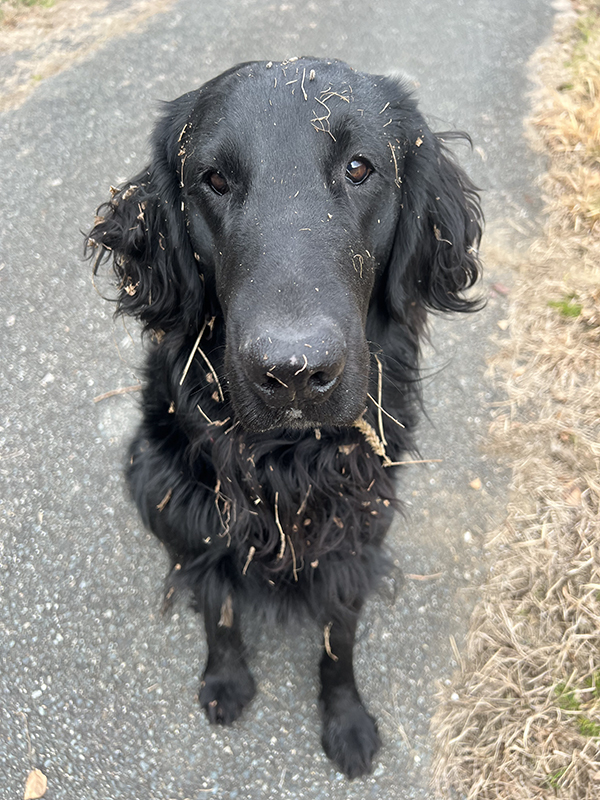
[[289, 504]]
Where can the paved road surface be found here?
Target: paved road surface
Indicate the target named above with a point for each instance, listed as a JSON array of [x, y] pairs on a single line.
[[106, 685]]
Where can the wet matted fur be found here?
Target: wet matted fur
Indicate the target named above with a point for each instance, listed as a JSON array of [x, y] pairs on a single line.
[[294, 225]]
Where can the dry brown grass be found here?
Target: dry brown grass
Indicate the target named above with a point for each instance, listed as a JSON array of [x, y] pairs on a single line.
[[522, 719], [568, 121], [40, 39]]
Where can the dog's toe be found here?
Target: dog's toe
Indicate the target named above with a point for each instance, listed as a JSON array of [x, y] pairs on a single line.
[[223, 696], [350, 739]]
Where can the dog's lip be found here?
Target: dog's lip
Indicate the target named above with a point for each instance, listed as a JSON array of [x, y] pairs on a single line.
[[262, 419]]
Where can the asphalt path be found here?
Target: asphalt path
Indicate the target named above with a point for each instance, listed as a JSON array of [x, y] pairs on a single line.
[[101, 684]]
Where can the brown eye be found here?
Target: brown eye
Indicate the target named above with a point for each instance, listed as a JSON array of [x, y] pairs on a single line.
[[358, 170], [218, 183]]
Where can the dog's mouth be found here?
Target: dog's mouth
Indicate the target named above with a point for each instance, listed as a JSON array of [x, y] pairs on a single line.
[[299, 400], [255, 417]]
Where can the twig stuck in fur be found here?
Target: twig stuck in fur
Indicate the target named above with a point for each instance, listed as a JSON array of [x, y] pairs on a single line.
[[368, 431], [165, 500], [225, 522], [251, 553], [416, 461], [326, 641], [411, 577], [302, 508], [209, 323], [206, 417], [304, 367], [379, 396], [213, 373], [302, 84], [322, 123], [275, 378], [279, 528], [293, 552], [397, 179], [226, 618], [361, 263], [383, 411]]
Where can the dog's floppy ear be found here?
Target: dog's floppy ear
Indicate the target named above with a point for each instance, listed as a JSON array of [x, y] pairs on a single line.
[[143, 230], [434, 258]]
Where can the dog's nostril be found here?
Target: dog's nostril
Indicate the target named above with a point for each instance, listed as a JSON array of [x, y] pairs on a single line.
[[320, 380]]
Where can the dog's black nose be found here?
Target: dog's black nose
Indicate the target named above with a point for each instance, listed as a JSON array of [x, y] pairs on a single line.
[[289, 368]]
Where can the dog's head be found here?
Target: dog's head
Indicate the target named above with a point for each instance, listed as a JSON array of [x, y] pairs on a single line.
[[298, 200]]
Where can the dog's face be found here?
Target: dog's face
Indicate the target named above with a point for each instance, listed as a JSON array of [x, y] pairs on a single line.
[[300, 195], [290, 194]]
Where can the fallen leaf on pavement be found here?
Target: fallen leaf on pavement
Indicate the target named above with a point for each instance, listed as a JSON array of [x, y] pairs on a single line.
[[35, 785]]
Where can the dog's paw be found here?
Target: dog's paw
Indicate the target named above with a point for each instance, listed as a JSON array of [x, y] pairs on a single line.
[[350, 738], [223, 696]]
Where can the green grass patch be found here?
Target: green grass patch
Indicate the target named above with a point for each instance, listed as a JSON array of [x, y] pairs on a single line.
[[595, 681], [566, 698], [553, 780], [587, 29], [588, 727], [29, 3], [567, 307]]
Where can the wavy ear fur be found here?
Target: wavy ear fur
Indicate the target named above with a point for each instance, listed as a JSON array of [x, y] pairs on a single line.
[[142, 228], [434, 258]]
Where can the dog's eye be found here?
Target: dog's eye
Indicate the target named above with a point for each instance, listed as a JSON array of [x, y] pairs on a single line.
[[358, 170], [217, 183]]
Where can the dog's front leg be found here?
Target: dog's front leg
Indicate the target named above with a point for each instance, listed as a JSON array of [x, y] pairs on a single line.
[[349, 733], [227, 684]]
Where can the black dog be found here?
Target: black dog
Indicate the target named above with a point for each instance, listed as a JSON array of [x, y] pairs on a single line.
[[295, 223]]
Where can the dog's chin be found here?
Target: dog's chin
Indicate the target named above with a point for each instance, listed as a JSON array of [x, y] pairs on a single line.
[[257, 417]]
